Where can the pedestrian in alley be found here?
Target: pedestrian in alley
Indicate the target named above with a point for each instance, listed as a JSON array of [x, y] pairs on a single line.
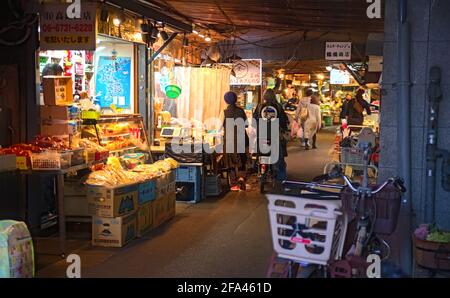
[[314, 122], [234, 158], [355, 108], [302, 114], [270, 101]]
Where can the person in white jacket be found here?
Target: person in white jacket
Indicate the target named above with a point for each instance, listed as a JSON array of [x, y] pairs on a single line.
[[313, 123]]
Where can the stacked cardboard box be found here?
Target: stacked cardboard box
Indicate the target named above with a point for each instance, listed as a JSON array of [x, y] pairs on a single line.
[[120, 214], [55, 115], [114, 212]]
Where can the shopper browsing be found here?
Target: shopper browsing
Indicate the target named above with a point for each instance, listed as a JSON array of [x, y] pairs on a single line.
[[355, 108]]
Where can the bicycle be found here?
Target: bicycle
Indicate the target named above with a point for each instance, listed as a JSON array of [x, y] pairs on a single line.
[[354, 199]]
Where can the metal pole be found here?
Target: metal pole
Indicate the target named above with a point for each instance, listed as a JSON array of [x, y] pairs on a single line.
[[404, 135], [434, 94]]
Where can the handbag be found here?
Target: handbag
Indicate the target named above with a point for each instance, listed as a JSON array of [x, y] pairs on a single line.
[[304, 114]]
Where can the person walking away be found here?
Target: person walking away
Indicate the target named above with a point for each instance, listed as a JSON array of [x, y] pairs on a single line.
[[355, 108], [233, 158], [302, 114], [270, 101], [313, 123]]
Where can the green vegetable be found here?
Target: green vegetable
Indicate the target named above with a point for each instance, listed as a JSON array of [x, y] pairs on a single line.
[[438, 236]]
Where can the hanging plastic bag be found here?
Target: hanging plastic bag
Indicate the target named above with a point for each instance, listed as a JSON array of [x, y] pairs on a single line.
[[16, 250]]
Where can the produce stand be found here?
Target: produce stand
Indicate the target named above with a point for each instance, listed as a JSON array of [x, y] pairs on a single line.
[[59, 175]]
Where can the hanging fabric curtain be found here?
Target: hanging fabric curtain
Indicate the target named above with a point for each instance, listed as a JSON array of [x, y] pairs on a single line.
[[202, 92]]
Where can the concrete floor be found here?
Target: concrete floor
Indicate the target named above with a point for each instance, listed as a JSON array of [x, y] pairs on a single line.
[[224, 237]]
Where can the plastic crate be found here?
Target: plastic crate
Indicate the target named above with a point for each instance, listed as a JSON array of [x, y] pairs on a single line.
[[305, 230], [387, 204], [213, 185], [50, 160], [188, 174], [78, 157]]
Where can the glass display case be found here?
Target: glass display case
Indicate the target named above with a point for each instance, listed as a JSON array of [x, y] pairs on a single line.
[[119, 134]]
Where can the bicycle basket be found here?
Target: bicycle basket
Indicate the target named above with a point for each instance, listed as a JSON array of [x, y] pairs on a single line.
[[387, 203]]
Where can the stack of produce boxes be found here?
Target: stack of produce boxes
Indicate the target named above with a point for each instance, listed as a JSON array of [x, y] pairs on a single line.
[[129, 203], [164, 205], [146, 198], [114, 211]]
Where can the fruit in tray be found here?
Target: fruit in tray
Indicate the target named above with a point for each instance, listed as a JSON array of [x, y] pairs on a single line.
[[116, 128], [88, 144], [89, 132], [117, 144], [54, 143], [21, 150]]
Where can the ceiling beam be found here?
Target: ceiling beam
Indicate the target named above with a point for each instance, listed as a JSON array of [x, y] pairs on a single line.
[[152, 13]]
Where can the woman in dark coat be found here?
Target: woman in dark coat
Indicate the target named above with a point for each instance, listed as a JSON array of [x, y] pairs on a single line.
[[233, 155], [355, 109]]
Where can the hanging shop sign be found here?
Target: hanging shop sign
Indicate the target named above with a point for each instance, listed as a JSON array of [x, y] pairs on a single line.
[[68, 26], [246, 72], [338, 51], [339, 77]]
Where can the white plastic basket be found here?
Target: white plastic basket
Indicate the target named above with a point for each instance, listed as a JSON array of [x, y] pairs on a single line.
[[305, 230]]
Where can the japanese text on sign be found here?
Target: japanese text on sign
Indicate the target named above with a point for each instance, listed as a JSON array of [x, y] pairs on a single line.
[[246, 72], [338, 51], [59, 31]]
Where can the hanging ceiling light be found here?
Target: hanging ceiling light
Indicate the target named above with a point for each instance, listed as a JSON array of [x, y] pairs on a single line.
[[207, 38], [117, 21]]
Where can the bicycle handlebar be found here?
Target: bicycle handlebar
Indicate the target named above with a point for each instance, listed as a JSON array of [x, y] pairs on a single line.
[[397, 182]]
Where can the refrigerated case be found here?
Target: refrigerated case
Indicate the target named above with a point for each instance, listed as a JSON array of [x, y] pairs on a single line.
[[119, 134]]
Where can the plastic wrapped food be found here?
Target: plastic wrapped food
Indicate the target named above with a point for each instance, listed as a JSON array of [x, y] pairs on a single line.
[[114, 162], [147, 171], [113, 177], [173, 163]]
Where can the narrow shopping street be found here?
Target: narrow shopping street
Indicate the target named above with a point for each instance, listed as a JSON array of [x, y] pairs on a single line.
[[218, 237]]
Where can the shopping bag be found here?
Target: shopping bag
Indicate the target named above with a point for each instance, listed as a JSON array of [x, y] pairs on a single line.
[[294, 129], [16, 250], [300, 133]]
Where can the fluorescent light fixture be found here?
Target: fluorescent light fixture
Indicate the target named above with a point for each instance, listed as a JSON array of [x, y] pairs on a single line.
[[329, 68], [207, 38], [116, 21]]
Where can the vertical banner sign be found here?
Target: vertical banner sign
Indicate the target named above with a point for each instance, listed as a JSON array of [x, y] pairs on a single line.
[[338, 51], [246, 72], [68, 26]]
